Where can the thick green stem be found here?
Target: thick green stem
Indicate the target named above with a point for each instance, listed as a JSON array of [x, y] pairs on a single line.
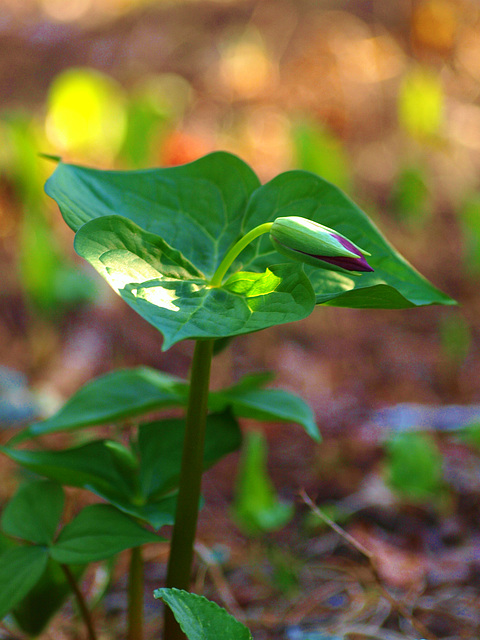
[[135, 595], [82, 605], [234, 251], [183, 537]]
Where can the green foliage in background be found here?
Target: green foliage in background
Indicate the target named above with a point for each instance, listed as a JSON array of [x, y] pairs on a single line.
[[256, 507], [414, 466], [319, 151]]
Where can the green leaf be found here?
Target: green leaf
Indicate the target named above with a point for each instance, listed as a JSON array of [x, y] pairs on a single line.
[[256, 507], [268, 404], [95, 467], [36, 609], [201, 619], [161, 443], [7, 543], [131, 392], [98, 532], [141, 490], [158, 236], [90, 466], [196, 208], [111, 398], [20, 569], [156, 512], [169, 292], [34, 512], [393, 284]]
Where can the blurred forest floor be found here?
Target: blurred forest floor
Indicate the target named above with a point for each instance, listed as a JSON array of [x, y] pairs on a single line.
[[260, 74]]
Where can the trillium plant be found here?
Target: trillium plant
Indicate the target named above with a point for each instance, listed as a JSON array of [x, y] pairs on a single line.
[[202, 252]]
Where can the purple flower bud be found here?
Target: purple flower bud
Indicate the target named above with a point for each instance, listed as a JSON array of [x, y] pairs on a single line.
[[307, 241], [350, 264]]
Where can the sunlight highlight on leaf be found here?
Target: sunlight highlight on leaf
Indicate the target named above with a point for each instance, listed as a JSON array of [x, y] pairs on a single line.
[[124, 267], [161, 295]]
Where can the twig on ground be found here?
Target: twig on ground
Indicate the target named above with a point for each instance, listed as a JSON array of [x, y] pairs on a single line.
[[398, 606], [219, 581]]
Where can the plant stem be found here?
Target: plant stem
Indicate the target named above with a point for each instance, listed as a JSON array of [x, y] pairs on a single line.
[[183, 537], [135, 595], [234, 251], [82, 605]]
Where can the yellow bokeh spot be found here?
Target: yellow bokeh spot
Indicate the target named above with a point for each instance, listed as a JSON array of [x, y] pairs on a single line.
[[421, 104], [86, 114]]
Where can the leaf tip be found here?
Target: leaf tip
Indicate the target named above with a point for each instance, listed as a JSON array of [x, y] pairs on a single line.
[[51, 157]]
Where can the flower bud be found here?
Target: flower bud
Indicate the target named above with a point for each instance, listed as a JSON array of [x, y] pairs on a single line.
[[307, 241]]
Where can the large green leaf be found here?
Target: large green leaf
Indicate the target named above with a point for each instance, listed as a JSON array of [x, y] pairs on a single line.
[[20, 569], [394, 283], [158, 236], [99, 531], [34, 512], [196, 208], [201, 619], [166, 290], [132, 392]]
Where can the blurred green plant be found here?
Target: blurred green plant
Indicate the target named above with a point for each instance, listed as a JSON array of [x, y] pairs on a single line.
[[414, 467], [455, 338], [411, 196], [256, 507], [285, 568], [469, 217], [155, 107], [316, 149], [470, 434], [50, 281]]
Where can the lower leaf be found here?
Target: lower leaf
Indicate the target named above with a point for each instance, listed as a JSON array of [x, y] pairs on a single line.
[[201, 619], [20, 570], [33, 613], [99, 532]]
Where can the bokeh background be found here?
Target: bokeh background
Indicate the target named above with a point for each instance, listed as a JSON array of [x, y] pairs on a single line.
[[382, 99]]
